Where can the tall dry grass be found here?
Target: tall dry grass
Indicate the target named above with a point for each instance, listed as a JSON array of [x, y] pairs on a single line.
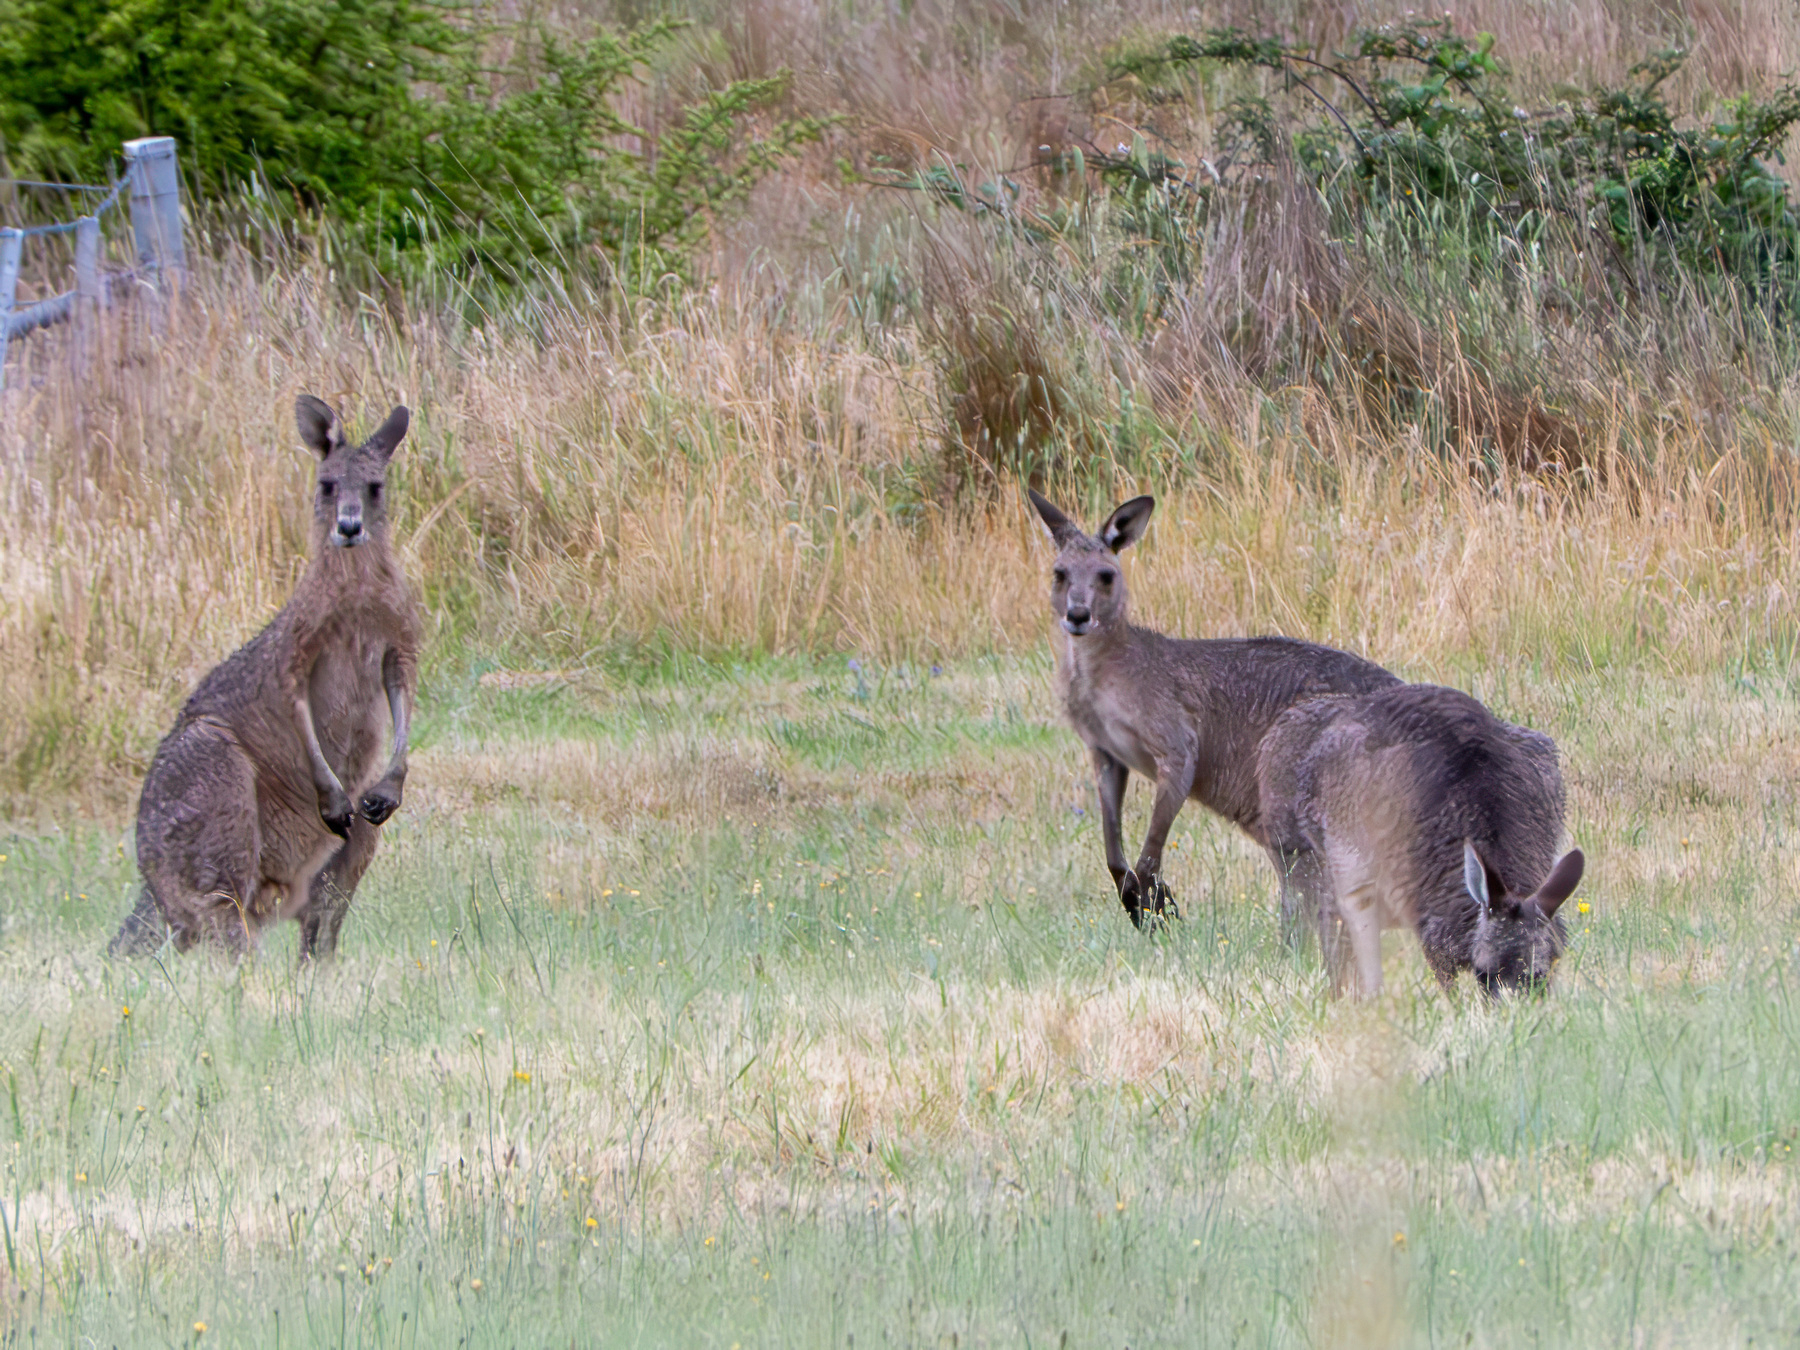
[[781, 460], [986, 81], [719, 479]]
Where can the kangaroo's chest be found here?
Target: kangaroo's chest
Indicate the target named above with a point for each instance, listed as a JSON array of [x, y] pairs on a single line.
[[1106, 720], [348, 698]]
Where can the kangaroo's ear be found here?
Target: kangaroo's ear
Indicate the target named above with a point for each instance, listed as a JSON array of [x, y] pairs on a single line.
[[1475, 877], [1061, 528], [389, 434], [1126, 525], [320, 429], [1561, 882]]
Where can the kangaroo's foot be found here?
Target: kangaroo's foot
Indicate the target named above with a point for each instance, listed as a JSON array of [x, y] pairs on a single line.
[[1150, 905], [1163, 899], [1131, 895]]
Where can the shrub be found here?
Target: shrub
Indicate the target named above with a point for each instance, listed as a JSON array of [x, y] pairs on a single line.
[[1424, 114], [389, 115]]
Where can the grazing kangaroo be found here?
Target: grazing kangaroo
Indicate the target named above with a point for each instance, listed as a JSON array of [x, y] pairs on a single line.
[[262, 803], [1187, 714], [1415, 807]]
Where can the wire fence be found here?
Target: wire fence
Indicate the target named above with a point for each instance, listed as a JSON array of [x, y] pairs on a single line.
[[152, 175], [69, 227]]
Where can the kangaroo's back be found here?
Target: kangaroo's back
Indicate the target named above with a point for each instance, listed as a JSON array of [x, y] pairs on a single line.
[[1233, 690], [1472, 776]]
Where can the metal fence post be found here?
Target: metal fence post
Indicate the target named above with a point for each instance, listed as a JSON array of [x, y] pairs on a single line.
[[11, 242], [156, 204]]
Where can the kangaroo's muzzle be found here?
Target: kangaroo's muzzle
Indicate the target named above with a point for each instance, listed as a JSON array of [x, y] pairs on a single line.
[[1077, 621], [349, 532]]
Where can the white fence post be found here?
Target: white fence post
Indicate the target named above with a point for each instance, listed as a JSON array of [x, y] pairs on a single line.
[[156, 204], [11, 242]]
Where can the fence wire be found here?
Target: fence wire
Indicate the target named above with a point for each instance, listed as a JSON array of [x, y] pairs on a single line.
[[56, 308]]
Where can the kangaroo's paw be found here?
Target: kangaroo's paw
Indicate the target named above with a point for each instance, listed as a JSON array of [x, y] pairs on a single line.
[[380, 802], [335, 810]]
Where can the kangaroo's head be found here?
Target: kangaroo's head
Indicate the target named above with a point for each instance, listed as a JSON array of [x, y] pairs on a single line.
[[1518, 937], [1087, 590], [350, 506]]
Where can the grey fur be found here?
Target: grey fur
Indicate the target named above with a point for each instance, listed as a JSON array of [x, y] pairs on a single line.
[[1416, 807], [1187, 714], [263, 801]]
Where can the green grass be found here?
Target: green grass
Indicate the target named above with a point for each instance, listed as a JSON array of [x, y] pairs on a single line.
[[849, 1039]]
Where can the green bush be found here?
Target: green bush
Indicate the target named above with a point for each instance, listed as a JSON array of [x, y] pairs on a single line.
[[390, 115], [1423, 114]]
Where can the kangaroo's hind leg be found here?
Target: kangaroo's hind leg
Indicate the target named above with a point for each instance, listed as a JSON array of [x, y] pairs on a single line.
[[332, 889], [1352, 934], [199, 842]]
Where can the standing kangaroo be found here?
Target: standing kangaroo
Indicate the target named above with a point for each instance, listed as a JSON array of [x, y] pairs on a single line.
[[262, 803], [1415, 807], [1187, 714]]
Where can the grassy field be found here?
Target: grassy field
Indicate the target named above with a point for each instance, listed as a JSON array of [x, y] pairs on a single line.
[[789, 1004], [742, 969]]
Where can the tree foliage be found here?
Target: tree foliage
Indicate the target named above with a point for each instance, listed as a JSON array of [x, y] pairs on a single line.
[[392, 115]]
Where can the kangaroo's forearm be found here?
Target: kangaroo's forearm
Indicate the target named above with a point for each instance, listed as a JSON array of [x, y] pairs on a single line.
[[1171, 795], [323, 778], [1110, 777], [383, 798], [399, 697]]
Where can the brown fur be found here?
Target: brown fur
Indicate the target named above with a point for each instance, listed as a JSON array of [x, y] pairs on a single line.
[[1187, 714], [263, 802], [1415, 807]]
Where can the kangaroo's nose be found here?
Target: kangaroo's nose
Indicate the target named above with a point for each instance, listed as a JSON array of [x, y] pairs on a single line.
[[1076, 616], [349, 528]]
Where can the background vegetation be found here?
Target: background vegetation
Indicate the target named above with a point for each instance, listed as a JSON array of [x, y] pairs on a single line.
[[444, 136], [699, 500]]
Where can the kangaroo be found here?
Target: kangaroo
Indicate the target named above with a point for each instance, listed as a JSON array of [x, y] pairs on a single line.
[[1415, 807], [262, 803], [1185, 713]]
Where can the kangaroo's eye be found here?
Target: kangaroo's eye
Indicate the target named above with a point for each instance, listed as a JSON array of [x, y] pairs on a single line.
[[327, 487], [374, 492], [1106, 578], [1062, 576]]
